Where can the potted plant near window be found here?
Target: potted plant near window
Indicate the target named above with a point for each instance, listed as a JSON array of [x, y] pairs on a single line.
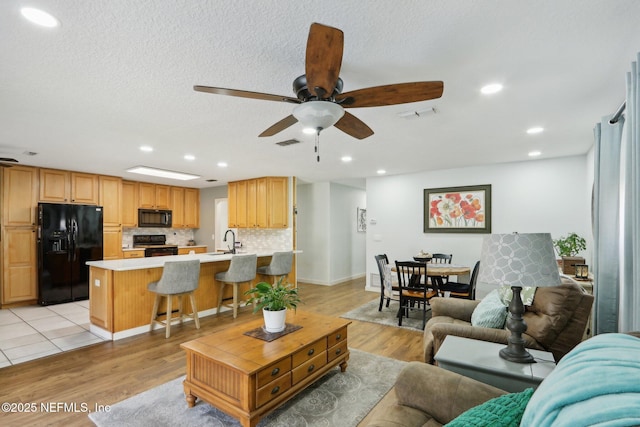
[[568, 247], [274, 300]]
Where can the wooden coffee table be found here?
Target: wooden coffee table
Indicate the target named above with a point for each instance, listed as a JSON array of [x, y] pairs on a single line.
[[248, 377]]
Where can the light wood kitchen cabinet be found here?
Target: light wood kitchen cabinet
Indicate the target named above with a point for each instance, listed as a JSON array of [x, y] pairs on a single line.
[[111, 243], [177, 207], [237, 204], [195, 249], [259, 203], [59, 186], [278, 202], [19, 196], [129, 204], [137, 253], [19, 265], [111, 200], [192, 208], [185, 207], [154, 196]]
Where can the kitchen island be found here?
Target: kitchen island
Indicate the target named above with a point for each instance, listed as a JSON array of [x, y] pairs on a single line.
[[120, 304]]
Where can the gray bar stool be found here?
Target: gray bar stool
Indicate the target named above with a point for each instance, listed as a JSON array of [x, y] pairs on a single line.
[[241, 269], [280, 265], [178, 278]]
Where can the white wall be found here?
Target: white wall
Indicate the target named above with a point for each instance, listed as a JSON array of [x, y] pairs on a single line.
[[534, 196], [348, 246], [332, 249], [204, 235]]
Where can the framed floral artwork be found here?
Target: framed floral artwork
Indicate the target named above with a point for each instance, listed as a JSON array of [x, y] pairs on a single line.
[[458, 209]]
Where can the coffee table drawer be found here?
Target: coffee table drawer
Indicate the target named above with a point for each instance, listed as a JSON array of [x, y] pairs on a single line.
[[309, 352], [339, 336], [271, 372], [309, 368], [336, 351], [273, 389]]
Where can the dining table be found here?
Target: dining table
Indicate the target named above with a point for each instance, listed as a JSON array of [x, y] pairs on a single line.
[[462, 272]]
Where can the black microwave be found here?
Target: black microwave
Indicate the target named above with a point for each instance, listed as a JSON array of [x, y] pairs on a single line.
[[154, 218]]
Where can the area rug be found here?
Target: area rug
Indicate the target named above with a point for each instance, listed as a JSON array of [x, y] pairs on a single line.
[[337, 399], [388, 316]]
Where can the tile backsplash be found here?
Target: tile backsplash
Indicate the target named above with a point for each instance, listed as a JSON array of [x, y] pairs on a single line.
[[256, 239], [175, 236]]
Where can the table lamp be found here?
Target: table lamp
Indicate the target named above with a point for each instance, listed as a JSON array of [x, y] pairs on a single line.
[[518, 260]]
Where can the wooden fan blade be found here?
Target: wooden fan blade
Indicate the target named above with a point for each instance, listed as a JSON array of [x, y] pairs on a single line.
[[280, 126], [324, 59], [353, 126], [246, 94], [400, 93]]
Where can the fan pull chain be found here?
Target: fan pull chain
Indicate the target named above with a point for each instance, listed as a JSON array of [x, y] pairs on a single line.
[[318, 146]]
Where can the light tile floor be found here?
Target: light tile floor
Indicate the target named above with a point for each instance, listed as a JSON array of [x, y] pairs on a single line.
[[31, 332]]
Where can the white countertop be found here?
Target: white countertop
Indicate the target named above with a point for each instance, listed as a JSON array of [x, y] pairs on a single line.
[[158, 261]]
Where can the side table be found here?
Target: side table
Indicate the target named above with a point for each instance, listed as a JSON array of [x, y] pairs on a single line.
[[480, 360]]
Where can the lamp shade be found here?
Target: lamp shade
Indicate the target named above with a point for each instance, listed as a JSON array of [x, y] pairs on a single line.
[[517, 260], [318, 114]]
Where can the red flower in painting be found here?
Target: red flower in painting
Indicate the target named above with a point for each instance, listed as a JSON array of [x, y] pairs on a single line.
[[468, 210], [454, 196], [434, 211]]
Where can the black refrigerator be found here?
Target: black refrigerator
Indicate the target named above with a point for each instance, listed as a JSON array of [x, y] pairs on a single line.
[[68, 237]]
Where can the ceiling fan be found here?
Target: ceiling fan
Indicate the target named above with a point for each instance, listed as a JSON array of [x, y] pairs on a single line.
[[319, 96]]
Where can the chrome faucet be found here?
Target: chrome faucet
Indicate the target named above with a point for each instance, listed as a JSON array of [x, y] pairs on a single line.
[[232, 249]]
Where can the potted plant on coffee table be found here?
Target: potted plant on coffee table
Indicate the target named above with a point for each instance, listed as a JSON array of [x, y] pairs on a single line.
[[568, 247], [274, 300]]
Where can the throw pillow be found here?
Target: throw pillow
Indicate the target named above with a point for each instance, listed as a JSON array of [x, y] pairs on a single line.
[[501, 411], [527, 294], [490, 312]]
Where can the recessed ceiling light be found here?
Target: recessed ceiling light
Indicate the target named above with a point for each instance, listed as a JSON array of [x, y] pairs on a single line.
[[189, 157], [309, 131], [534, 153], [146, 148], [381, 171], [145, 170], [222, 164], [346, 159], [535, 130], [491, 88], [39, 17]]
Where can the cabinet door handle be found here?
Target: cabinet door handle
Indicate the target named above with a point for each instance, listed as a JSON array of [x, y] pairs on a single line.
[[339, 336], [275, 389], [338, 351], [311, 368], [275, 372], [310, 352]]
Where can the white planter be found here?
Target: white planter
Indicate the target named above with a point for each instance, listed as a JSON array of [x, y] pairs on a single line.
[[274, 321]]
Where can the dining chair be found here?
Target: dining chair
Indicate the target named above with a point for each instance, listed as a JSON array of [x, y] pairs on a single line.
[[387, 287], [462, 290], [441, 259], [412, 291]]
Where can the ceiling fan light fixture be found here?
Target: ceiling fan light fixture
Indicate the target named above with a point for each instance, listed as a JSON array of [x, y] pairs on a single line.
[[318, 115]]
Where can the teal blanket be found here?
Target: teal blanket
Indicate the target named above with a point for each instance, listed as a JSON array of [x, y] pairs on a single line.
[[595, 384]]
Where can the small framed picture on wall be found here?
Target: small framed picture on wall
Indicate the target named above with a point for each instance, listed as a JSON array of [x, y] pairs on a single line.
[[361, 219], [458, 209]]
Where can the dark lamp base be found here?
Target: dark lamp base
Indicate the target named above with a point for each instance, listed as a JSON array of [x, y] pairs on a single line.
[[517, 355]]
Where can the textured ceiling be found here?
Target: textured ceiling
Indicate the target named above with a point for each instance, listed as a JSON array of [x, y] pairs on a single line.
[[119, 74]]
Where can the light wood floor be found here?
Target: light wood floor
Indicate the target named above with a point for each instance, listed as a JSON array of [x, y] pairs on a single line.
[[107, 373]]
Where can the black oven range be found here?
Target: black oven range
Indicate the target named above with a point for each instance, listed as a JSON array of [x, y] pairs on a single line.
[[154, 245]]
